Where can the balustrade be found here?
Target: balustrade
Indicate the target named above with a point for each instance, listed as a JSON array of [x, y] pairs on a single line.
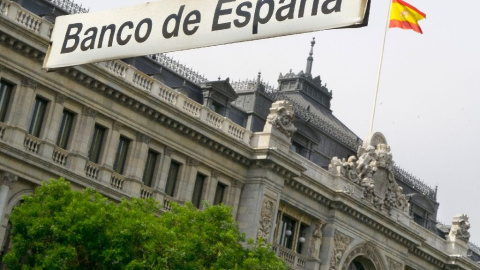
[[143, 81], [60, 156], [117, 67], [117, 180], [4, 5], [215, 120], [294, 260], [192, 108], [92, 170], [146, 192], [28, 20], [32, 143], [168, 95]]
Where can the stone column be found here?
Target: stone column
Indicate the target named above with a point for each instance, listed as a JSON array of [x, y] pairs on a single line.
[[185, 188], [234, 195], [159, 186], [136, 165], [80, 140], [51, 132], [212, 186], [109, 153], [22, 109], [6, 181], [258, 204]]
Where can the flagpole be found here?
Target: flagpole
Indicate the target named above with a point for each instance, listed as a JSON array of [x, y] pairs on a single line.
[[380, 66]]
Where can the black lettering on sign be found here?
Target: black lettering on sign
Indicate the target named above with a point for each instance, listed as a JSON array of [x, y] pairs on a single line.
[[176, 18], [219, 12], [242, 13], [257, 19], [70, 36]]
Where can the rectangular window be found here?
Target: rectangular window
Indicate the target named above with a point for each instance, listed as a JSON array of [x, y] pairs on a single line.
[[121, 156], [287, 229], [172, 178], [220, 190], [149, 168], [5, 93], [97, 143], [65, 129], [197, 190], [38, 114]]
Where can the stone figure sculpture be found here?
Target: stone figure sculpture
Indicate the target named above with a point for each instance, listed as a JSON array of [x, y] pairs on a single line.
[[373, 171]]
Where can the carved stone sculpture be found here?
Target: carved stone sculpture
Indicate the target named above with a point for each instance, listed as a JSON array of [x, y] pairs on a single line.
[[266, 217], [460, 227], [341, 242], [316, 239], [281, 117], [373, 170]]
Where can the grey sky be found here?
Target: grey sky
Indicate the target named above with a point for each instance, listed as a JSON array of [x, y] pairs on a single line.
[[429, 91]]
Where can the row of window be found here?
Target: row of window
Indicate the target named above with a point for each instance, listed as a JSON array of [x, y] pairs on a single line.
[[97, 144]]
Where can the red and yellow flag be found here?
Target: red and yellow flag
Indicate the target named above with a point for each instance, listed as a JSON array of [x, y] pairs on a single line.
[[405, 16]]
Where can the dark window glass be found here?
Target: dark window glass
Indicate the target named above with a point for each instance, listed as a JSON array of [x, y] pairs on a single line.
[[37, 116], [301, 238], [5, 93], [150, 168], [121, 156], [65, 129], [172, 178], [97, 143], [197, 190], [287, 231], [219, 193]]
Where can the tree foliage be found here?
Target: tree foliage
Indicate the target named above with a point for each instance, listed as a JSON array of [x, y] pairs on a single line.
[[58, 228]]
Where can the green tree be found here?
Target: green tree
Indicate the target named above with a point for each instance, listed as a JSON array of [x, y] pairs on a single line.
[[58, 228]]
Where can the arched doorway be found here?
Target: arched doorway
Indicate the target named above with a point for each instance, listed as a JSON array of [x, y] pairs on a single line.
[[364, 257], [361, 263]]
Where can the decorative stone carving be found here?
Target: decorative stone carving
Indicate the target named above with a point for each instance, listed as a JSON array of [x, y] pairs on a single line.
[[281, 117], [236, 183], [7, 178], [373, 170], [27, 82], [117, 126], [143, 138], [316, 242], [368, 251], [341, 242], [87, 111], [393, 264], [460, 227], [61, 98], [266, 217], [215, 174], [192, 162], [168, 151]]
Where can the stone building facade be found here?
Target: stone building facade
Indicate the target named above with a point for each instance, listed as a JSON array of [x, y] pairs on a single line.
[[293, 174]]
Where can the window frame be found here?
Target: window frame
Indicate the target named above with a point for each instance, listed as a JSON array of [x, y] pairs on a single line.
[[172, 178], [66, 128], [121, 156], [150, 167], [97, 142], [218, 195], [6, 92], [37, 118], [198, 188]]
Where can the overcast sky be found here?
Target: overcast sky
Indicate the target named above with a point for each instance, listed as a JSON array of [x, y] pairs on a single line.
[[428, 104]]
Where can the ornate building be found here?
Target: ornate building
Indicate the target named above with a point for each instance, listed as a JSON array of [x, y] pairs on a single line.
[[150, 127]]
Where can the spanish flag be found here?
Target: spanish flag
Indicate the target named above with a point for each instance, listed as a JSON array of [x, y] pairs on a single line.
[[405, 16]]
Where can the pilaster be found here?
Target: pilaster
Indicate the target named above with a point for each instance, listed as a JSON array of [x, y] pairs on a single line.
[[81, 139], [22, 109]]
